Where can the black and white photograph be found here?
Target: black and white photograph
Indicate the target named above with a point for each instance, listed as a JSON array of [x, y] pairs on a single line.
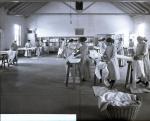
[[74, 60]]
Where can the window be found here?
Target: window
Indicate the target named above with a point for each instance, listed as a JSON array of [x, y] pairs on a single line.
[[79, 31], [17, 33], [0, 38]]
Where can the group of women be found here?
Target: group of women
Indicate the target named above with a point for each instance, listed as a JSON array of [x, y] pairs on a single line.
[[109, 64]]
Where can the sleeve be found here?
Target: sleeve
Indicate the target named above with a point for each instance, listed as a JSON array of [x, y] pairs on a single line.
[[144, 49], [143, 53], [114, 52]]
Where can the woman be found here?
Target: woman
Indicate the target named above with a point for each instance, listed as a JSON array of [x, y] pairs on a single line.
[[138, 63], [120, 51], [70, 48], [85, 61], [147, 63], [28, 45], [131, 47], [109, 57], [38, 48]]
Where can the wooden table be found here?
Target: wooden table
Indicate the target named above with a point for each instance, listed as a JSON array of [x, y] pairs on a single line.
[[73, 62], [26, 49]]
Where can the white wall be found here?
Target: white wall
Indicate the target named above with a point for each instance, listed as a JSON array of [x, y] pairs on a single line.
[[59, 25], [7, 25], [145, 20]]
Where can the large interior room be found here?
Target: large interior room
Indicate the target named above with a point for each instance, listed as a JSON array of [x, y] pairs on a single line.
[[84, 57]]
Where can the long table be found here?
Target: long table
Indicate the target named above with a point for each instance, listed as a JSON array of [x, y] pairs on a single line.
[[21, 51], [24, 48], [3, 52], [95, 55]]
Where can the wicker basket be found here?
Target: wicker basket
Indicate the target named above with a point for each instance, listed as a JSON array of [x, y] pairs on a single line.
[[125, 113]]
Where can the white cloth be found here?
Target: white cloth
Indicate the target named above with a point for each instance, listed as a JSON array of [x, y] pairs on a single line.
[[11, 55], [112, 97], [62, 50], [94, 54], [101, 66], [115, 99], [102, 47]]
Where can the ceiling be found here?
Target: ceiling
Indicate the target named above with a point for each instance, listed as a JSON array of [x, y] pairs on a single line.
[[21, 8], [27, 8]]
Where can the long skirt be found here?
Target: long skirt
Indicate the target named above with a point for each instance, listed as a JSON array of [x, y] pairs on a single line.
[[147, 67], [85, 69], [113, 68]]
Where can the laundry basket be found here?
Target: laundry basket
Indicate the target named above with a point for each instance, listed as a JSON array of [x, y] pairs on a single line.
[[125, 113]]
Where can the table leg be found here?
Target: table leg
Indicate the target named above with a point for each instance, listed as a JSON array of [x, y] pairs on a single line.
[[67, 75], [131, 78], [73, 74], [128, 74], [94, 74], [79, 72], [94, 79], [2, 61]]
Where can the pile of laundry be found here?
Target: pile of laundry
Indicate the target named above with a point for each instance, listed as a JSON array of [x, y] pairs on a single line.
[[113, 97]]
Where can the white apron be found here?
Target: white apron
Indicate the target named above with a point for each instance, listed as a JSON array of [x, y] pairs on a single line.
[[27, 52]]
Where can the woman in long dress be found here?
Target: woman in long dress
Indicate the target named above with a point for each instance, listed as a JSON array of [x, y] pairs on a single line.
[[27, 51], [85, 61], [120, 51], [147, 63], [138, 63], [38, 48], [131, 47], [109, 57]]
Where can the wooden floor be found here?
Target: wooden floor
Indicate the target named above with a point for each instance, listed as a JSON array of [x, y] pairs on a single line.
[[36, 85]]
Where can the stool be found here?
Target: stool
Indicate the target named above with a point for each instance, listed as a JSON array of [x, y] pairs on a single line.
[[72, 65], [129, 73], [5, 60]]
